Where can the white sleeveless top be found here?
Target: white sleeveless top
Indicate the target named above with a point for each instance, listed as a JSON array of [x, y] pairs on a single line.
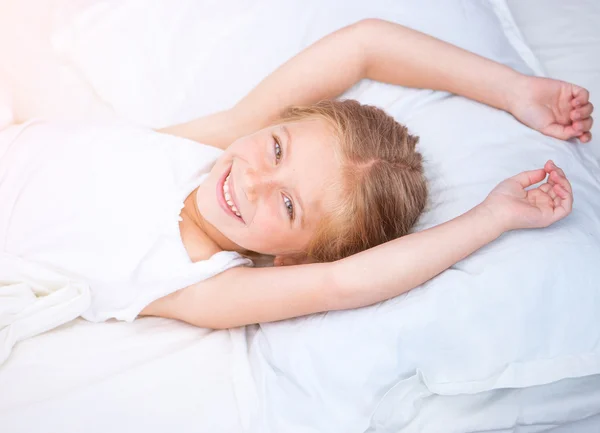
[[103, 202]]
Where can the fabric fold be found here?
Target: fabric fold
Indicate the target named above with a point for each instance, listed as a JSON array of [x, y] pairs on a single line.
[[35, 298]]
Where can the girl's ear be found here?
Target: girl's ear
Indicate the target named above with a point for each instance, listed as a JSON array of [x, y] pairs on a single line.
[[292, 259]]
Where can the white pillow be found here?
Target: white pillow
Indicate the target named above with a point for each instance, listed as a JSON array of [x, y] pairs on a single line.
[[520, 312], [166, 62]]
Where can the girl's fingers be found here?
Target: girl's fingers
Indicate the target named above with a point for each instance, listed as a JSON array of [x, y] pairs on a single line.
[[528, 178], [565, 198], [561, 180], [582, 112], [563, 203], [548, 189], [557, 200], [556, 175], [560, 131], [559, 170], [550, 168], [586, 137], [561, 192], [583, 125], [540, 199], [580, 96]]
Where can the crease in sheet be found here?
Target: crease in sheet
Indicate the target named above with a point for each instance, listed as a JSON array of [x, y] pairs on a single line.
[[34, 299]]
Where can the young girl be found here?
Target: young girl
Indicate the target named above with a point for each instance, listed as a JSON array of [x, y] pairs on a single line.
[[329, 180], [334, 187]]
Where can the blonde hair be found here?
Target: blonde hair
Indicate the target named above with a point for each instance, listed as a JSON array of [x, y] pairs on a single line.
[[383, 188]]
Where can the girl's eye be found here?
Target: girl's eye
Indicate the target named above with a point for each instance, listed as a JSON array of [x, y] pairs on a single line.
[[289, 206], [277, 150]]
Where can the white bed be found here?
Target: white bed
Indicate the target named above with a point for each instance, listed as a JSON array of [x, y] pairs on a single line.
[[156, 375]]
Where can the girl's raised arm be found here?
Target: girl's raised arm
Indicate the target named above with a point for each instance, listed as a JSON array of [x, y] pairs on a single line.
[[242, 296], [391, 53]]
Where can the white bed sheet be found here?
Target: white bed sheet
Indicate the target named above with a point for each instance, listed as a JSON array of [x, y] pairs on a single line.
[[151, 375]]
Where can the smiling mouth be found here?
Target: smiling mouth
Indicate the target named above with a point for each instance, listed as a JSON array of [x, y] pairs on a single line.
[[228, 198], [226, 195]]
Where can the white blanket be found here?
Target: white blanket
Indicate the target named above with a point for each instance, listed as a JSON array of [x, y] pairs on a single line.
[[35, 299]]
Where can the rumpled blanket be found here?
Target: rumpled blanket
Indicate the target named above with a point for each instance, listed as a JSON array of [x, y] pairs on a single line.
[[35, 298]]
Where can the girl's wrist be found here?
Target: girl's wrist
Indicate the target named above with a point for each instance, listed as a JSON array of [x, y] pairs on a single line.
[[515, 91], [493, 220]]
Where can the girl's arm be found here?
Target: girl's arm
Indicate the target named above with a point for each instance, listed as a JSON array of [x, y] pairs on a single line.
[[242, 296], [391, 53]]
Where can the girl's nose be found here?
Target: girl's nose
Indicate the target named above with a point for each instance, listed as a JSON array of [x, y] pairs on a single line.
[[256, 183]]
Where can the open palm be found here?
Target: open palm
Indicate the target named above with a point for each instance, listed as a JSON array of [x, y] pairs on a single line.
[[517, 207], [554, 108]]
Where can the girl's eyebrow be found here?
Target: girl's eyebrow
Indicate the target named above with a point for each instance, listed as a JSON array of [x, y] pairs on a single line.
[[288, 150]]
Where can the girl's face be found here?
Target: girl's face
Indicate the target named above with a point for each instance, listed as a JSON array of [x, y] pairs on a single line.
[[267, 192]]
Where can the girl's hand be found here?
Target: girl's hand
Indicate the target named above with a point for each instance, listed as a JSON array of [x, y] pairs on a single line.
[[553, 107], [515, 207]]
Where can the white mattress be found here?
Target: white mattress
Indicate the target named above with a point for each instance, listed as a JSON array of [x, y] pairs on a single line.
[[121, 373]]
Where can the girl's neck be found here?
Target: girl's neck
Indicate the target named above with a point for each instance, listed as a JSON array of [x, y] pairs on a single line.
[[211, 234], [201, 239]]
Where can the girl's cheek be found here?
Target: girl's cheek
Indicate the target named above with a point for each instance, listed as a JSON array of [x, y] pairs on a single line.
[[268, 221]]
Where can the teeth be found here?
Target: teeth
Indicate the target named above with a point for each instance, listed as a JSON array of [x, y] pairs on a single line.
[[228, 196]]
